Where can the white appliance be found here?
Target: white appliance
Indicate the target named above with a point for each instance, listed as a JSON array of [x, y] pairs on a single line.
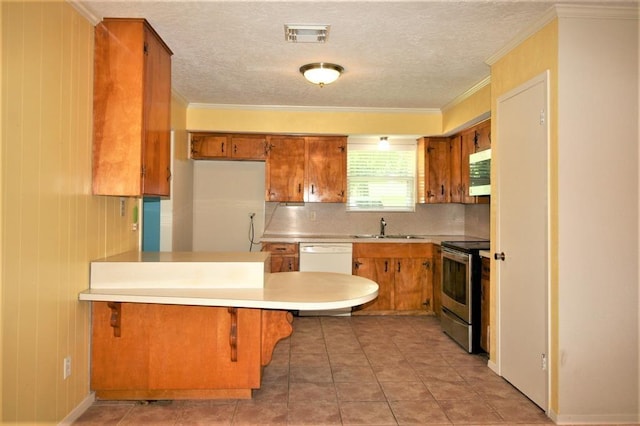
[[326, 257]]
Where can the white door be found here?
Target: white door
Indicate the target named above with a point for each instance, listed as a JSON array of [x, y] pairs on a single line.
[[522, 235]]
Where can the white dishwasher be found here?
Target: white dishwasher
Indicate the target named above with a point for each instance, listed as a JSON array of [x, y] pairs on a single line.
[[326, 257]]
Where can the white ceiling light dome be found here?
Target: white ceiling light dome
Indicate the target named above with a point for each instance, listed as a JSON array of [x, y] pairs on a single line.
[[321, 73]]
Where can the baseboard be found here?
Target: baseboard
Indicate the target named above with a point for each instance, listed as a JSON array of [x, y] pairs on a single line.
[[594, 419], [77, 412], [493, 367]]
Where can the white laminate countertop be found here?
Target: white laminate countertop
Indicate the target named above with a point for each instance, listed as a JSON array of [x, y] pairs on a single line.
[[323, 238], [282, 290]]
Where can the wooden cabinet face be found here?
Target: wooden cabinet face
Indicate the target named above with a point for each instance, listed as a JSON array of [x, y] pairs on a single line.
[[132, 97], [248, 147], [285, 169], [381, 271], [207, 146], [437, 279], [436, 174], [403, 272], [284, 256], [485, 285], [326, 169]]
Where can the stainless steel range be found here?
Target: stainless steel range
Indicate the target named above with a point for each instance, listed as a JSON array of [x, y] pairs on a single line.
[[461, 270]]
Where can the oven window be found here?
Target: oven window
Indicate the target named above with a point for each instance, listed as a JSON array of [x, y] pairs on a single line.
[[454, 283]]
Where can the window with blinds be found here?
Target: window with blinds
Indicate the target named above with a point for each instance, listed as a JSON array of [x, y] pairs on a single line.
[[381, 179]]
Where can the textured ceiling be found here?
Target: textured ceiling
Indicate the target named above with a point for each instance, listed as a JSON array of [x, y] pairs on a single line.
[[416, 55]]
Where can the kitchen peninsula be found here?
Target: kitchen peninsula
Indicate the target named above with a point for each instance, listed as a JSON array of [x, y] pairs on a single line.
[[182, 325]]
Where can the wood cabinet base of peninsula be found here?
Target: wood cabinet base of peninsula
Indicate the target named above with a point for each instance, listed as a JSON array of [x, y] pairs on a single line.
[[150, 351]]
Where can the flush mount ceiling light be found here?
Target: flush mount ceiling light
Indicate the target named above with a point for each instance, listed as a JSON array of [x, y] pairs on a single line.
[[306, 33], [321, 73]]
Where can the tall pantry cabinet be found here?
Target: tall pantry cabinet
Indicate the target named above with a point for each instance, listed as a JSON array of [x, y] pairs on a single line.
[[132, 109]]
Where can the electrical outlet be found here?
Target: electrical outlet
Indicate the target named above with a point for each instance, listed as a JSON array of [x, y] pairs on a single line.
[[66, 367]]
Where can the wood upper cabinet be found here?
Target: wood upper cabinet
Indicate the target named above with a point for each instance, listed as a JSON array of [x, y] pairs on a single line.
[[434, 185], [219, 146], [285, 169], [131, 110], [311, 169], [472, 140], [403, 272], [326, 169]]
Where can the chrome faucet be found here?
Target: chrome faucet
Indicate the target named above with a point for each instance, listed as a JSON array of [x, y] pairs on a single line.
[[383, 225]]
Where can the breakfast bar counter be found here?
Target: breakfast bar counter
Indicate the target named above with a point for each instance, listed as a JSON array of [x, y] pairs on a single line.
[[195, 326]]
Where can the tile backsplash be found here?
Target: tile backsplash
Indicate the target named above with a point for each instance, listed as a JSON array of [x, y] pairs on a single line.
[[333, 219]]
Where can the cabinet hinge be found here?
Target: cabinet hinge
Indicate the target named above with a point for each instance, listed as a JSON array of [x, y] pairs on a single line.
[[145, 48], [543, 117], [143, 171]]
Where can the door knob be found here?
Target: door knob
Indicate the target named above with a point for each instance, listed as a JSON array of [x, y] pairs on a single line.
[[499, 256]]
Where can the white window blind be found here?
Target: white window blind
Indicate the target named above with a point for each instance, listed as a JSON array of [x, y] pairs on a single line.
[[381, 180]]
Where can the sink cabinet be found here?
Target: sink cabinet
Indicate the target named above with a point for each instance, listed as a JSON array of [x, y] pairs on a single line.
[[284, 256], [131, 110], [402, 270]]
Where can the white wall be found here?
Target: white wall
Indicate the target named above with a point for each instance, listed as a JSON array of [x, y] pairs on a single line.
[[598, 219], [224, 193]]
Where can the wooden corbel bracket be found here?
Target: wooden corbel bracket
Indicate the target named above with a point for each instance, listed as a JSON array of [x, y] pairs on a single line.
[[233, 333], [116, 317]]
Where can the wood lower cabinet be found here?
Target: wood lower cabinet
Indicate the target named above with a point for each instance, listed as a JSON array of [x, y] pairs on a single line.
[[131, 110], [284, 256], [437, 279], [403, 272], [152, 351], [485, 293]]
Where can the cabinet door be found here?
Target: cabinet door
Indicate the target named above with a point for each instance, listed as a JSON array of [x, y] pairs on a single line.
[[284, 256], [131, 110], [156, 167], [455, 161], [413, 284], [483, 136], [326, 169], [437, 170], [285, 169], [248, 147], [437, 279], [380, 270], [209, 146], [467, 147]]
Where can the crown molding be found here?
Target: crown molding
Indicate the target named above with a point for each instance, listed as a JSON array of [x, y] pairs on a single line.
[[179, 97], [82, 9], [292, 108], [470, 92], [566, 11]]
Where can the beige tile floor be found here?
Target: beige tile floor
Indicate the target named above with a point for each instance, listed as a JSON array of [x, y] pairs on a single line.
[[361, 370]]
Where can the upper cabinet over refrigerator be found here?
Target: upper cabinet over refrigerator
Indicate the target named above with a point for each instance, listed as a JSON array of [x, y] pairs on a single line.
[[131, 110]]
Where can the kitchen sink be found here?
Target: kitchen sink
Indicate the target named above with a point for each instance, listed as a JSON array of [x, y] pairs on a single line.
[[389, 237]]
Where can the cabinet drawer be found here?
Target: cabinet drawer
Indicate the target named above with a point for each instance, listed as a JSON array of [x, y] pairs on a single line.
[[401, 250], [280, 248]]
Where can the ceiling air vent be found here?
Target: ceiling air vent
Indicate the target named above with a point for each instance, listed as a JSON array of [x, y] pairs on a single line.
[[306, 33]]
